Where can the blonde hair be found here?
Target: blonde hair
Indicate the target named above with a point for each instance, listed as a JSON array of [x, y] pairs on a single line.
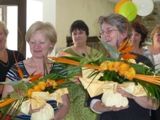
[[45, 27], [156, 29], [4, 28]]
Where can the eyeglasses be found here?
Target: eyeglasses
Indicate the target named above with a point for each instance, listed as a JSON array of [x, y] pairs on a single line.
[[109, 31]]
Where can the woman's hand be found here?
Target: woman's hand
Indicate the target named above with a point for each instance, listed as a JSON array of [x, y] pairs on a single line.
[[99, 107], [144, 101], [124, 93]]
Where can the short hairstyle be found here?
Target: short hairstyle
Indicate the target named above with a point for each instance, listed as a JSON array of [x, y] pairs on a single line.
[[79, 25], [4, 28], [47, 29], [156, 29], [142, 30], [117, 20]]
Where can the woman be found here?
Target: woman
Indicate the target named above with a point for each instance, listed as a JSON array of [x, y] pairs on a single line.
[[155, 47], [138, 37], [155, 52], [114, 30], [7, 57], [79, 32], [41, 38]]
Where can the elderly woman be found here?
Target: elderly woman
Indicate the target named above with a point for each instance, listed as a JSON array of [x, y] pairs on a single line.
[[7, 57], [41, 38], [114, 30]]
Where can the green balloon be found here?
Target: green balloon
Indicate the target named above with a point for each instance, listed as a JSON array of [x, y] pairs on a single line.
[[128, 10]]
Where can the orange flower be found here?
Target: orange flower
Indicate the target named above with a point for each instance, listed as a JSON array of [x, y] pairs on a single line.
[[35, 77], [125, 49]]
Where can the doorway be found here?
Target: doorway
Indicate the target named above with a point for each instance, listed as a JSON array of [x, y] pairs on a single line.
[[13, 14]]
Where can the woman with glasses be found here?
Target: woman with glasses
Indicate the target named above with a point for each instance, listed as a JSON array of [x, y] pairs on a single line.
[[114, 30]]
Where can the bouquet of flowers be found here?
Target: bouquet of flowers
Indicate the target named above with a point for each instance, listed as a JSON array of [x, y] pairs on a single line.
[[36, 97], [102, 75]]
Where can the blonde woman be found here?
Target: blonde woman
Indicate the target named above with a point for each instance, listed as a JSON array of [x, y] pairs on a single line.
[[41, 38]]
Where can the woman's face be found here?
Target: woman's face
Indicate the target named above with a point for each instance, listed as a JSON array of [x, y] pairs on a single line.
[[135, 38], [2, 39], [39, 45], [156, 38], [79, 37], [111, 35]]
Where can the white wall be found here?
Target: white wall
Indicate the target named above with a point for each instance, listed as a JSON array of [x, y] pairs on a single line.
[[61, 13], [49, 11], [88, 10]]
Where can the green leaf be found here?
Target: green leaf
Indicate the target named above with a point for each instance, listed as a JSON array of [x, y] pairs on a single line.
[[20, 90]]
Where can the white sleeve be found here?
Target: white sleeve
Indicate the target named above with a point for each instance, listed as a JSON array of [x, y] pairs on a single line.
[[92, 104]]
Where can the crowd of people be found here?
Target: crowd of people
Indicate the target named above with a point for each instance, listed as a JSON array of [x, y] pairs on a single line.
[[77, 105]]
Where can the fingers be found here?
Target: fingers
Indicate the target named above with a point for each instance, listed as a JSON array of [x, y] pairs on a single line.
[[118, 108], [124, 93]]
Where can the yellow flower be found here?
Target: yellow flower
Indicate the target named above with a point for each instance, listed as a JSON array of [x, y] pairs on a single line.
[[29, 92], [130, 74], [104, 65], [42, 85], [123, 67]]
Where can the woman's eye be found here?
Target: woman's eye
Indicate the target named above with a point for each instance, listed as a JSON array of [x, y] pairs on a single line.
[[32, 42]]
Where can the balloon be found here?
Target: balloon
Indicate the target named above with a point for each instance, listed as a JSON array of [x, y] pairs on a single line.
[[118, 5], [144, 7], [128, 10]]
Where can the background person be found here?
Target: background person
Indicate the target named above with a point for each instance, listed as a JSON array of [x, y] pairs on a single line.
[[7, 57], [155, 47], [138, 38], [79, 32], [155, 52]]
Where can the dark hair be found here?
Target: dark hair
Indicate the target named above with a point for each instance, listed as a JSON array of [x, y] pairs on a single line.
[[142, 30], [80, 25]]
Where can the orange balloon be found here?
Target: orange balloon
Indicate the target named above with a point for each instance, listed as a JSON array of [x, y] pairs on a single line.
[[119, 4]]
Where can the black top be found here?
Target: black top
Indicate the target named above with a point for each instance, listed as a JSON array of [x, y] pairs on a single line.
[[133, 112], [4, 67], [13, 74], [143, 59]]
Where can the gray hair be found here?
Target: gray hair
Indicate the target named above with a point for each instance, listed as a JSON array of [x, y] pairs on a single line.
[[117, 20]]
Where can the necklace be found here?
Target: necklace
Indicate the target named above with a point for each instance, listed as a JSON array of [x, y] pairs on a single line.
[[81, 51]]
